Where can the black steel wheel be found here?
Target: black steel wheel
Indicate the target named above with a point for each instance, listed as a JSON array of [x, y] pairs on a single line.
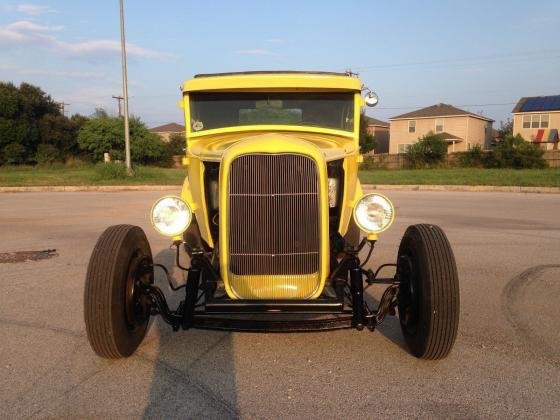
[[428, 298], [115, 311]]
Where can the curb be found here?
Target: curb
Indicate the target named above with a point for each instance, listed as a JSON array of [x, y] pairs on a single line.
[[365, 187], [91, 188], [464, 188]]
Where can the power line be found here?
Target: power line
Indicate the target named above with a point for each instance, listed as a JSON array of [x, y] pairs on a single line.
[[529, 55], [463, 105]]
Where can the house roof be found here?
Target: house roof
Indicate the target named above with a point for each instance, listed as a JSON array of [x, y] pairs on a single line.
[[538, 103], [375, 121], [168, 128], [439, 110], [450, 137]]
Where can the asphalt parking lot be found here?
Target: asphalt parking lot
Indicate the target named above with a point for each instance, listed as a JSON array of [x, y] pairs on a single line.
[[506, 360]]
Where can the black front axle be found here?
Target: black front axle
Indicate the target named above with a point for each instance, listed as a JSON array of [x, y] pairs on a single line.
[[347, 310]]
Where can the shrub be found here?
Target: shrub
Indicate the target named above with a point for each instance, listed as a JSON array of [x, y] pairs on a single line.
[[176, 144], [377, 162], [515, 152], [473, 158], [13, 154], [174, 147], [74, 162], [47, 154], [111, 170], [429, 151]]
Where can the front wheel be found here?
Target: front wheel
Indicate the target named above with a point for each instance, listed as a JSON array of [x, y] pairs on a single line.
[[428, 298], [116, 316]]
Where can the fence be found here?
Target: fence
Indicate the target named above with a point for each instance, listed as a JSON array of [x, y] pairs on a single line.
[[387, 161], [552, 157]]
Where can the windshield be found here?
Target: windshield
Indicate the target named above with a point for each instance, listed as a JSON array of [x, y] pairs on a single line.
[[323, 109]]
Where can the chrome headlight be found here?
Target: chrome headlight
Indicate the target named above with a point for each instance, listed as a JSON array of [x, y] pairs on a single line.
[[171, 216], [374, 213]]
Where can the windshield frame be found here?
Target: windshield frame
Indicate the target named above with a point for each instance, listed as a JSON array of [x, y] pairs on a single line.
[[357, 104]]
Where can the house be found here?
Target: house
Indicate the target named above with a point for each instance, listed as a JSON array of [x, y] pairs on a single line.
[[165, 131], [460, 129], [380, 130], [537, 119]]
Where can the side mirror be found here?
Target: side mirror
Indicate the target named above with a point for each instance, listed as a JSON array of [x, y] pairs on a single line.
[[371, 99]]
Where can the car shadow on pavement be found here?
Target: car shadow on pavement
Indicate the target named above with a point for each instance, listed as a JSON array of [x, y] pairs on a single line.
[[194, 370]]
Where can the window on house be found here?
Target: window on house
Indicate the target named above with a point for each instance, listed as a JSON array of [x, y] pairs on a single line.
[[439, 126], [537, 121], [403, 148], [412, 126]]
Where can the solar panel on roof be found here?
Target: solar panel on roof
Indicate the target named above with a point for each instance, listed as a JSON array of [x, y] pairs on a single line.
[[530, 105], [547, 103]]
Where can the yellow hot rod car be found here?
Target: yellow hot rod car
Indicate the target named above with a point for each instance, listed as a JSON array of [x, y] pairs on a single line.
[[273, 219]]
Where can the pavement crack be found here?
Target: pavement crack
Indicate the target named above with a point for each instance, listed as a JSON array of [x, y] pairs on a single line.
[[39, 326]]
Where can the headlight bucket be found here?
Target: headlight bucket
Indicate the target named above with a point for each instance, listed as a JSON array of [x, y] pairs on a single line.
[[171, 216], [374, 213]]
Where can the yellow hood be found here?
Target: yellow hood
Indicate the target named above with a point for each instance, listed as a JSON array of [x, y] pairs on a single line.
[[332, 147]]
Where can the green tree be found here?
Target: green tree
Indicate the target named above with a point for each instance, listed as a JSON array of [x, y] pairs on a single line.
[[100, 135], [21, 110], [367, 140], [58, 132], [13, 154], [429, 151], [506, 128], [100, 113]]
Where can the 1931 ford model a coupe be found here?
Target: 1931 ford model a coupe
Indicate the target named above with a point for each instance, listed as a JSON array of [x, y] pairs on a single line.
[[272, 217]]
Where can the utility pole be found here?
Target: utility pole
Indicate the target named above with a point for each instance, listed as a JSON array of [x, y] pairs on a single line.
[[61, 105], [119, 99], [125, 94]]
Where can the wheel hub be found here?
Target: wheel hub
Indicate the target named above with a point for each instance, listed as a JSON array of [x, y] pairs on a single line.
[[408, 294], [139, 271]]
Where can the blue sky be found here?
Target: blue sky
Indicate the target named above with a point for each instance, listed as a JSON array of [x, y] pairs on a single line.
[[478, 55]]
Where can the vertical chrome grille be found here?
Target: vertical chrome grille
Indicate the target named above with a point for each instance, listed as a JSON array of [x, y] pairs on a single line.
[[274, 224]]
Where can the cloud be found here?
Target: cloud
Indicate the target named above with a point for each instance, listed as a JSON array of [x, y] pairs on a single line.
[[65, 74], [255, 51], [541, 20], [22, 26], [25, 32], [105, 47], [33, 9], [275, 41]]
